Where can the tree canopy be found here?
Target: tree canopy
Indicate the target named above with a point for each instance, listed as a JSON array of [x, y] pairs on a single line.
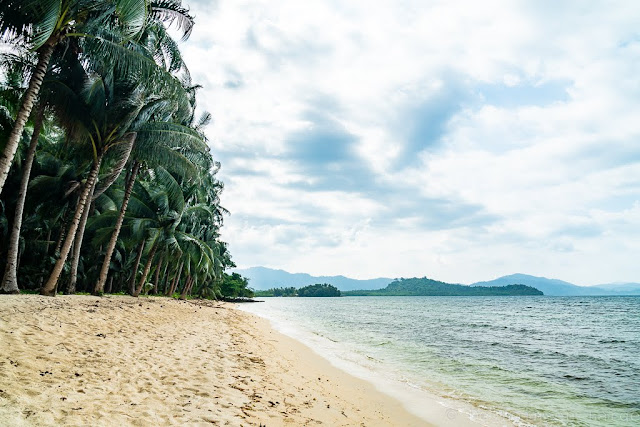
[[317, 290]]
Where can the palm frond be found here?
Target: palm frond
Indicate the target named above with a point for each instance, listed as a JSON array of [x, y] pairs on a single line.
[[132, 15], [49, 12], [172, 12], [175, 197], [121, 152]]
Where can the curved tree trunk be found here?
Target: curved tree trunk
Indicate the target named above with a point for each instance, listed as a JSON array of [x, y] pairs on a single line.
[[61, 236], [175, 282], [77, 246], [132, 282], [157, 275], [28, 101], [104, 271], [165, 279], [49, 288], [187, 287], [9, 283], [145, 273]]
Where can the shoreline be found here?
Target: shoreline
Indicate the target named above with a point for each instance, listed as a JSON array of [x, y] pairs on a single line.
[[431, 408], [156, 361]]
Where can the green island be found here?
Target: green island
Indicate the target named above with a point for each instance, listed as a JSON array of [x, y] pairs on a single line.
[[317, 290], [429, 287]]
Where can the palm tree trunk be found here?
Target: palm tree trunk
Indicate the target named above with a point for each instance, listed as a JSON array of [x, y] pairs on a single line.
[[46, 250], [165, 278], [132, 282], [77, 246], [61, 236], [110, 285], [10, 279], [176, 280], [104, 271], [49, 288], [187, 284], [145, 273], [44, 56], [193, 281], [157, 278]]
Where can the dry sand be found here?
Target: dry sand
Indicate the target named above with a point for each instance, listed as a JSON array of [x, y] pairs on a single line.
[[81, 360]]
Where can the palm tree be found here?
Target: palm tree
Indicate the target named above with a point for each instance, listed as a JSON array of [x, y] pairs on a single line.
[[95, 115], [108, 28], [10, 279], [17, 65], [121, 99], [156, 144], [44, 24], [161, 137]]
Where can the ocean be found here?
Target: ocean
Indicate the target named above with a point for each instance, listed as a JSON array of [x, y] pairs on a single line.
[[557, 361]]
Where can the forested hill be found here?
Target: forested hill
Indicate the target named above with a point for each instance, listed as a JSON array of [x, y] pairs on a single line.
[[262, 278], [429, 287]]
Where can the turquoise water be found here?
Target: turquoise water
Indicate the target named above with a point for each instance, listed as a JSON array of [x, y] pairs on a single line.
[[566, 361]]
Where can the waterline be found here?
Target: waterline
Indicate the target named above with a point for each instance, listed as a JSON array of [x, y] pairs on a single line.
[[533, 360]]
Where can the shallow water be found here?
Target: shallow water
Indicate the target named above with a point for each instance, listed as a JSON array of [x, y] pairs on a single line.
[[571, 361]]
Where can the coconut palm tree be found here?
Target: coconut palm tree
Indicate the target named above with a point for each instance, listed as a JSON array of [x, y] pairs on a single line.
[[156, 144], [10, 279], [108, 28]]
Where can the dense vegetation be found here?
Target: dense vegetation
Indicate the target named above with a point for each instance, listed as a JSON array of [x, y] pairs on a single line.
[[235, 286], [278, 292], [107, 183], [429, 287], [317, 290]]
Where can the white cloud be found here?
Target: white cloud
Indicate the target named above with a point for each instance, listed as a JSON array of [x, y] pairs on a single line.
[[487, 138]]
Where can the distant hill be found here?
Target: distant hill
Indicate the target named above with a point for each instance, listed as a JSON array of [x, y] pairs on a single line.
[[555, 287], [262, 278], [429, 287], [630, 288]]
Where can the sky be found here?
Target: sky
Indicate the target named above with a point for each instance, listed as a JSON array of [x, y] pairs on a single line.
[[458, 140]]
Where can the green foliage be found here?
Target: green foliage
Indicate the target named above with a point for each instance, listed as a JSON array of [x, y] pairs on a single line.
[[319, 290], [116, 87], [235, 286], [278, 292], [428, 287]]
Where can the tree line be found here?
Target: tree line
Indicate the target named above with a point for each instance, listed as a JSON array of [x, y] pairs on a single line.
[[317, 290], [107, 183]]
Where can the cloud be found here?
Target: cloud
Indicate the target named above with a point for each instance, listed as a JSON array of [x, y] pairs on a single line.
[[423, 121], [412, 138], [322, 141]]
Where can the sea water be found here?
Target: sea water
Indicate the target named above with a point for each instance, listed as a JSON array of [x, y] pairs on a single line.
[[565, 361]]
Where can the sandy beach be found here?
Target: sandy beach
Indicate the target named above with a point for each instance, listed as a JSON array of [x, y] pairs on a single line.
[[117, 360]]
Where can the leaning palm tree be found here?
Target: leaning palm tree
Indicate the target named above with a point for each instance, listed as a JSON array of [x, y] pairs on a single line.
[[17, 64], [156, 144], [9, 282], [107, 27], [43, 25], [96, 117], [163, 132]]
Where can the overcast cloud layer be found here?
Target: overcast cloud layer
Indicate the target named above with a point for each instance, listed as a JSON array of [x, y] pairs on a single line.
[[459, 140]]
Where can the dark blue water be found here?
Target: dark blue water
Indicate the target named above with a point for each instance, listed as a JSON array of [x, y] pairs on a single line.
[[571, 361]]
